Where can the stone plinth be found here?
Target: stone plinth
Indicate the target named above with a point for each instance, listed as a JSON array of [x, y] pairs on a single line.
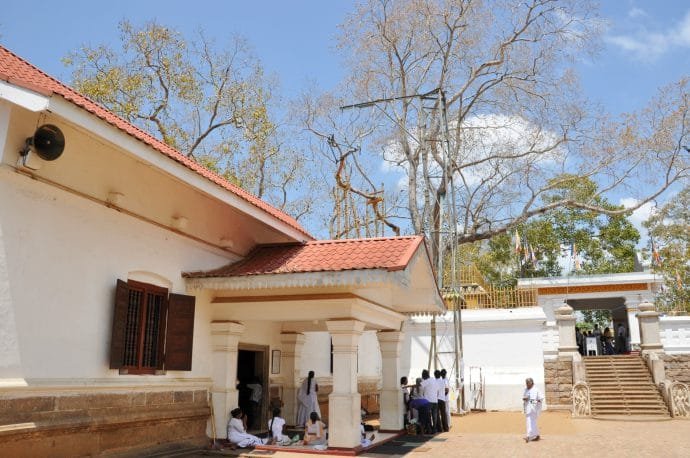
[[648, 318]]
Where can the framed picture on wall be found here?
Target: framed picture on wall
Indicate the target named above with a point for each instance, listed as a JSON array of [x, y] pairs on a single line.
[[275, 362]]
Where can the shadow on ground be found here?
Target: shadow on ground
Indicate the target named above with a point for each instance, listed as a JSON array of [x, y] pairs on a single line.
[[403, 445]]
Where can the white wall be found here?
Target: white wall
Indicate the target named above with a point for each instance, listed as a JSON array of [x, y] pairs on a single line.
[[505, 343], [60, 256], [675, 334], [316, 355]]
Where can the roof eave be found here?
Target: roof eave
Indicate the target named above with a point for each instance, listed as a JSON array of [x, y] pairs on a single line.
[[83, 118]]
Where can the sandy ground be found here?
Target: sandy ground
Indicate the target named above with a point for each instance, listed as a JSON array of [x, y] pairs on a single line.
[[500, 434]]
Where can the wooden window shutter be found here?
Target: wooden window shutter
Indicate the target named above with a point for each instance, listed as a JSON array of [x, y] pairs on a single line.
[[117, 338], [179, 334]]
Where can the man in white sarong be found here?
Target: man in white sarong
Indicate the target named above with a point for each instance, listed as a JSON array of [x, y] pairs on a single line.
[[532, 400], [307, 400]]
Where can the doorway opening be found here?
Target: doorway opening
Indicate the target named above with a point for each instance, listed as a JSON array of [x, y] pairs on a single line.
[[602, 326], [252, 374]]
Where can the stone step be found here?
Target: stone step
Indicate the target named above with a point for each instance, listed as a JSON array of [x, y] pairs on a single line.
[[619, 368], [619, 375], [632, 417], [607, 366], [623, 386], [623, 395], [651, 403], [630, 412], [612, 408], [626, 396]]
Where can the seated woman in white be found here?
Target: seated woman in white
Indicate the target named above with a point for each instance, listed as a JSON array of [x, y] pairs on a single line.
[[237, 434], [315, 432], [363, 441], [275, 425]]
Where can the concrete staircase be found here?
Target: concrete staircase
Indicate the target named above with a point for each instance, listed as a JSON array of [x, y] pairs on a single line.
[[621, 386]]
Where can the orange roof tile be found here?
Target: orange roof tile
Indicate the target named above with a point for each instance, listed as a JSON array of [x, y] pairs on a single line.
[[389, 253], [19, 72]]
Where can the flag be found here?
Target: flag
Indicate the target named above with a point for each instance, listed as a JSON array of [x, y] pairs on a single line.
[[533, 256], [576, 258], [679, 281], [517, 242], [656, 258], [525, 254]]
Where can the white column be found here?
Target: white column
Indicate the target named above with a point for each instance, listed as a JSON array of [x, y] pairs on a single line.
[[633, 326], [649, 329], [344, 403], [391, 401], [291, 345], [565, 319], [225, 337]]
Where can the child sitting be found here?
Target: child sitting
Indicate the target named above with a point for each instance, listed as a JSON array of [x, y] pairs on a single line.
[[315, 432], [275, 428]]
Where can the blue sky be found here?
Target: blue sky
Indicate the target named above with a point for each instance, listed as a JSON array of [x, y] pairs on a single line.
[[645, 44]]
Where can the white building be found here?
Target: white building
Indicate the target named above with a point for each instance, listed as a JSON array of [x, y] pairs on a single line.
[[106, 347]]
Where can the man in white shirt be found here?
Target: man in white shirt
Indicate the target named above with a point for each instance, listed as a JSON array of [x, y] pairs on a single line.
[[430, 393], [446, 391], [441, 420]]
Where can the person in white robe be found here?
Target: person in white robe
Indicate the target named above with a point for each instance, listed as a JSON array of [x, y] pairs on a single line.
[[307, 400], [315, 433], [275, 426], [237, 434], [532, 402]]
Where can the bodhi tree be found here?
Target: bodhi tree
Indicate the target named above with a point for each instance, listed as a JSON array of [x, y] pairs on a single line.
[[212, 104], [669, 228], [477, 105], [574, 240]]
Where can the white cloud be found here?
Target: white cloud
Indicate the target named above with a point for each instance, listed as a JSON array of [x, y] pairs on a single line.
[[639, 216], [647, 45], [482, 137], [636, 12]]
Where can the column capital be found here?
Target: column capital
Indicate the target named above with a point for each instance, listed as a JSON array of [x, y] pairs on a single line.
[[291, 344], [345, 326], [390, 336], [291, 338], [227, 328], [390, 343]]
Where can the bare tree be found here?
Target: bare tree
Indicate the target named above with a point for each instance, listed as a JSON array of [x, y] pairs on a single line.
[[360, 208], [212, 103], [478, 104]]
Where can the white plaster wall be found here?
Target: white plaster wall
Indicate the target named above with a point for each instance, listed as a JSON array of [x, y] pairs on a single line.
[[675, 334], [505, 343], [60, 256], [316, 356]]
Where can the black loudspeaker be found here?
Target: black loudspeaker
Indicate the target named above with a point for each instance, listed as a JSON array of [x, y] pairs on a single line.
[[48, 143]]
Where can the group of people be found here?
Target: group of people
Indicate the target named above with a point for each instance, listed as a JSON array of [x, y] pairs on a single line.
[[426, 402], [606, 343], [308, 417]]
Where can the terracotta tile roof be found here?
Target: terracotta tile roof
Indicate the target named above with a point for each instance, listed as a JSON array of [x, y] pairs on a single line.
[[19, 72], [389, 253]]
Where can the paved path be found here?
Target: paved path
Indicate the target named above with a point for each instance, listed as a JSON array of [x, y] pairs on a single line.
[[500, 434]]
